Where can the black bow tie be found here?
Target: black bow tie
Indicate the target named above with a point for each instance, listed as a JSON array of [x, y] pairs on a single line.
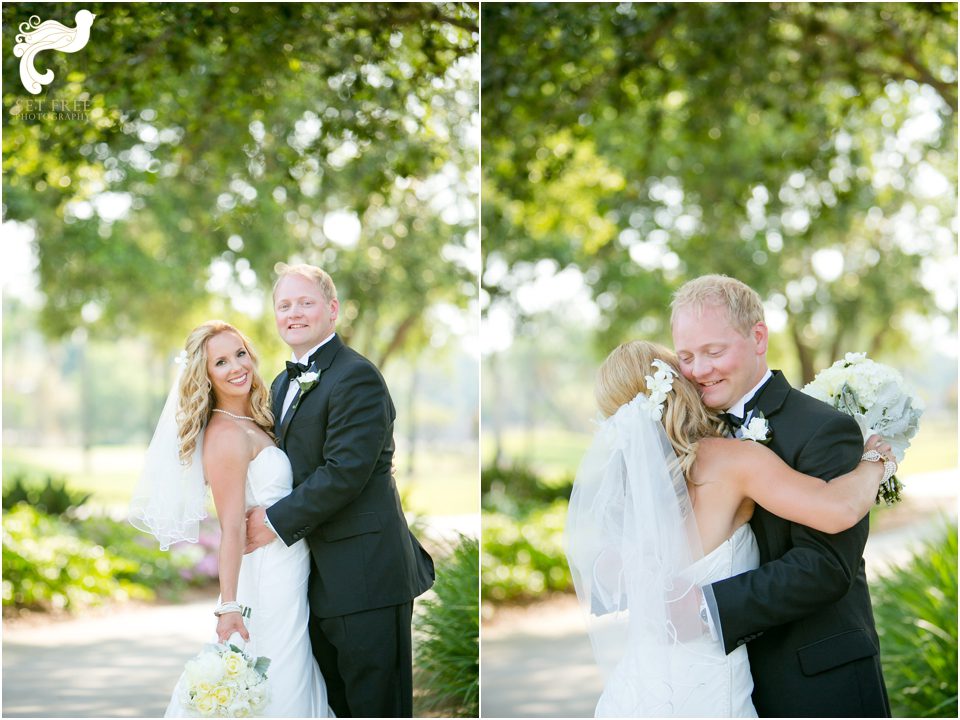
[[735, 421], [295, 370]]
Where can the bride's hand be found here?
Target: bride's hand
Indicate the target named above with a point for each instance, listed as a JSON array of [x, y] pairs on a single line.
[[887, 459], [230, 623]]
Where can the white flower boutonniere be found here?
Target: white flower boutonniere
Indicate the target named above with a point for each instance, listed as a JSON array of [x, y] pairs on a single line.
[[307, 381], [758, 430]]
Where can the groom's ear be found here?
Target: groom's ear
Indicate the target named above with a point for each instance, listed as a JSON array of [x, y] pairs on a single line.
[[334, 309], [760, 334]]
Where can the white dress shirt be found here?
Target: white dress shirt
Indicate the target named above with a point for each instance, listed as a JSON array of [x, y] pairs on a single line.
[[292, 389]]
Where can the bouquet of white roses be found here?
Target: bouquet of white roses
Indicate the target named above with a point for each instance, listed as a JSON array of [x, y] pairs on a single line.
[[223, 681], [875, 396]]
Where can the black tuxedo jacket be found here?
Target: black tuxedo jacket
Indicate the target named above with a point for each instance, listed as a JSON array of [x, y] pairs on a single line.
[[806, 612], [344, 500]]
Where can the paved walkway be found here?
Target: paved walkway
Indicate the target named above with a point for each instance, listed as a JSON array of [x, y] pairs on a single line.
[[121, 662]]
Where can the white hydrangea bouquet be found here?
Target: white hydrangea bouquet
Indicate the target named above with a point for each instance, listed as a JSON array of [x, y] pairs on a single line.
[[223, 681], [876, 397]]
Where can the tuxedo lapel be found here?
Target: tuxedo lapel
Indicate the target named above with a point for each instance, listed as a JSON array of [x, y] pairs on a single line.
[[773, 395], [280, 388], [324, 358]]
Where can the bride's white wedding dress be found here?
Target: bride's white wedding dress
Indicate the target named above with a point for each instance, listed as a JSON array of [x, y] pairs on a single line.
[[273, 583], [706, 682]]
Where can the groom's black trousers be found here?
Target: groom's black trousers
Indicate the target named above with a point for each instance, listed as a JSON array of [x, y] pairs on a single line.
[[366, 657]]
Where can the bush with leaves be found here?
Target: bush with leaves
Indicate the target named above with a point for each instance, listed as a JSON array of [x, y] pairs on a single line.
[[50, 496], [916, 611], [49, 563], [517, 488], [523, 556], [448, 651]]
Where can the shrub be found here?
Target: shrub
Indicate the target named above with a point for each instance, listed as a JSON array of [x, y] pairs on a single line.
[[52, 564], [916, 612], [50, 496], [523, 556], [448, 659], [517, 489]]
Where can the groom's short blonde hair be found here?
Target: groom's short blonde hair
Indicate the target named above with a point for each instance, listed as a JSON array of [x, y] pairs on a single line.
[[742, 303], [310, 272]]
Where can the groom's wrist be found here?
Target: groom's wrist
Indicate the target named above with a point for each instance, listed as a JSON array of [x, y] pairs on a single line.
[[269, 525]]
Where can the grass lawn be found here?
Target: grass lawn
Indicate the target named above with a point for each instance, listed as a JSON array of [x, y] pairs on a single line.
[[446, 481], [553, 452]]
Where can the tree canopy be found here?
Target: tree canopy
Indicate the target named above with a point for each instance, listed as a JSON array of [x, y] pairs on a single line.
[[807, 148], [215, 139]]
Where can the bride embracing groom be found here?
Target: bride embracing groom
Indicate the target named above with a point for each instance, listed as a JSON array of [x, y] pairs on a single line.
[[722, 577], [318, 570]]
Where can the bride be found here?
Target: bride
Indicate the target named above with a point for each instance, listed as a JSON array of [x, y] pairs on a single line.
[[658, 511], [215, 430]]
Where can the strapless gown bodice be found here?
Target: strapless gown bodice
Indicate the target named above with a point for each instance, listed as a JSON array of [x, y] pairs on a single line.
[[704, 681], [269, 478]]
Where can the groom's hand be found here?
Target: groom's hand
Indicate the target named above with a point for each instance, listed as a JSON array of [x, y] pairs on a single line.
[[258, 534]]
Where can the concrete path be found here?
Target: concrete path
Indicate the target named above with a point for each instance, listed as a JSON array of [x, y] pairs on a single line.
[[118, 664], [121, 662]]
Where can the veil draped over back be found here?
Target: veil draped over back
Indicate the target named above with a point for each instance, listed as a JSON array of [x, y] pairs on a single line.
[[631, 542]]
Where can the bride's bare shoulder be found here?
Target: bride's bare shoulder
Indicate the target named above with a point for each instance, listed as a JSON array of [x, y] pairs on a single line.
[[720, 453]]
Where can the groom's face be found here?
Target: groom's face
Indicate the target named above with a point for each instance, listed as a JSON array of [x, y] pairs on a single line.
[[304, 316], [724, 364]]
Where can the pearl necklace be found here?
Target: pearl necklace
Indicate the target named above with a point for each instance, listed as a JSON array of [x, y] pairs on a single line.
[[236, 417]]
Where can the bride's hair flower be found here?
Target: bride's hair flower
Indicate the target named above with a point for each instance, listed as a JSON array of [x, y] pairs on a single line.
[[659, 386]]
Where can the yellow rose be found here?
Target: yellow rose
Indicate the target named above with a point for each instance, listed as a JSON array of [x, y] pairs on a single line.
[[224, 695], [206, 704], [233, 663]]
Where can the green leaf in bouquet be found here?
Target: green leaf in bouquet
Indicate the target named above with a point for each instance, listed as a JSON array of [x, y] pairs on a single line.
[[235, 648], [847, 401], [261, 665]]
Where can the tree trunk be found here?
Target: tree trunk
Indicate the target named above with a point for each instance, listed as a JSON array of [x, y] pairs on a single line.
[[804, 353]]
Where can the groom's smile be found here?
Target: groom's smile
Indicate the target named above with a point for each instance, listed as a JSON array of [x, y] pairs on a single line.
[[724, 363], [304, 316]]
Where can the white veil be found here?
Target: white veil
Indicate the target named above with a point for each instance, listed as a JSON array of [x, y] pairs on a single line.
[[631, 540], [170, 499]]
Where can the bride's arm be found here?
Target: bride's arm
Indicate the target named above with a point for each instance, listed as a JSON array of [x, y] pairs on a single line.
[[829, 507], [225, 464]]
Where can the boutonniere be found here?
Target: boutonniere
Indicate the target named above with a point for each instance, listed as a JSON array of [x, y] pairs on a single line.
[[758, 429], [307, 380]]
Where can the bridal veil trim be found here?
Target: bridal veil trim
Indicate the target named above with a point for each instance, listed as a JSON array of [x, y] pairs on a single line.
[[170, 499]]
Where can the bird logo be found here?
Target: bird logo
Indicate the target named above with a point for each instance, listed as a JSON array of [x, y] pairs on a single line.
[[35, 37]]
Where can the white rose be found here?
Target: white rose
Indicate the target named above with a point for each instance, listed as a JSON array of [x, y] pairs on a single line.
[[756, 429]]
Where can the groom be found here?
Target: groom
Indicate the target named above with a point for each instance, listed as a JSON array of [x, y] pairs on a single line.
[[805, 612], [334, 419]]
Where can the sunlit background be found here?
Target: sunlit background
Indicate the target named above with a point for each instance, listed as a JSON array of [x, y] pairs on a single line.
[[807, 149], [206, 143]]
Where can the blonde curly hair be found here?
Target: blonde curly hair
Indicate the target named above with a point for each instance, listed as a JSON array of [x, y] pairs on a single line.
[[196, 391], [686, 419]]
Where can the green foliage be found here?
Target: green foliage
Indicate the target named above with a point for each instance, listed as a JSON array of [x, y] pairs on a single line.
[[916, 611], [448, 659], [648, 143], [523, 556], [508, 489], [52, 564], [50, 496], [239, 135]]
